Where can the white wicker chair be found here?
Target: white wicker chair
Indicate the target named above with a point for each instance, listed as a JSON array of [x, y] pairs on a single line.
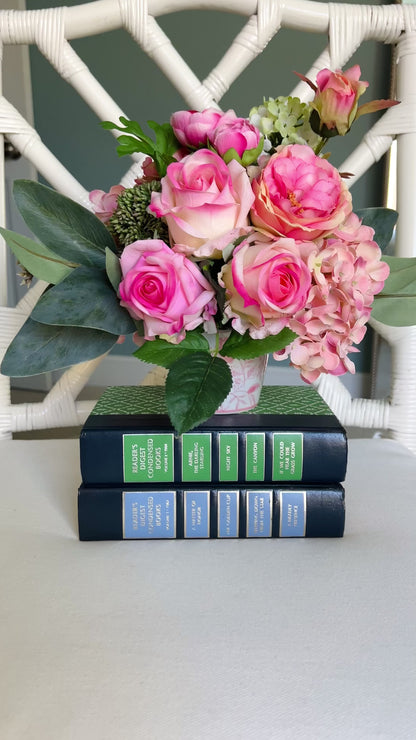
[[52, 30]]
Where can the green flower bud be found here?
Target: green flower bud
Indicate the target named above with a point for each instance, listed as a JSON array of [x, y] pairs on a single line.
[[131, 220]]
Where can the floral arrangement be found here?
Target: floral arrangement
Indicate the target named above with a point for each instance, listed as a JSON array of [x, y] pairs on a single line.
[[238, 240]]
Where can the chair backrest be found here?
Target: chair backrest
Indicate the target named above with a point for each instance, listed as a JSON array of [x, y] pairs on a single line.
[[347, 27]]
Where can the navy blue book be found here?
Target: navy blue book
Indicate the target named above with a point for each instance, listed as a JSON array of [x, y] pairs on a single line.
[[108, 513], [291, 436]]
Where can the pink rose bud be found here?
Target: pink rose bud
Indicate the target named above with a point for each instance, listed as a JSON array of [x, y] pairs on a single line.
[[237, 139], [164, 289], [336, 98], [299, 194], [336, 101], [104, 204], [194, 128]]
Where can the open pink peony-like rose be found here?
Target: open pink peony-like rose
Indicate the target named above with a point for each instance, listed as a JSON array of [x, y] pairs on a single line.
[[299, 195], [104, 204], [267, 282], [202, 200], [164, 289]]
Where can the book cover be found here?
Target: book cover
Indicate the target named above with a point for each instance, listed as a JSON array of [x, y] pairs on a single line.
[[291, 436], [114, 513]]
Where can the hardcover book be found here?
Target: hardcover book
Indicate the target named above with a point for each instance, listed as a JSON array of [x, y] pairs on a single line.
[[291, 436], [109, 513]]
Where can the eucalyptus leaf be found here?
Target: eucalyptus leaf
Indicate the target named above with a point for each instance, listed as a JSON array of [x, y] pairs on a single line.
[[395, 311], [382, 220], [163, 353], [40, 261], [402, 278], [195, 388], [243, 347], [113, 268], [38, 348], [69, 230], [85, 299]]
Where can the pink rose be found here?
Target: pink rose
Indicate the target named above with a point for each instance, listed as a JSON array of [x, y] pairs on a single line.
[[194, 128], [336, 98], [299, 194], [266, 283], [164, 289], [237, 139], [104, 204], [202, 200]]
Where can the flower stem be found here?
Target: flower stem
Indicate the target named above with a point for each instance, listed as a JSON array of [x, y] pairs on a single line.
[[321, 145]]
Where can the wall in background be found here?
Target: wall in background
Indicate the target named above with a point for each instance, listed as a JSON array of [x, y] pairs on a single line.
[[72, 131]]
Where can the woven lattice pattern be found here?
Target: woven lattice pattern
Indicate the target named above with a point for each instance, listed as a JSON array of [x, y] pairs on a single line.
[[347, 26]]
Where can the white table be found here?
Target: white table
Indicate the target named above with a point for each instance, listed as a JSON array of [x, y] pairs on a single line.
[[199, 640]]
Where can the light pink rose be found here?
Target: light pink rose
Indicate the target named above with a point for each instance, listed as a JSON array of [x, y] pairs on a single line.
[[194, 128], [104, 204], [202, 200], [299, 194], [237, 139], [266, 283], [164, 289]]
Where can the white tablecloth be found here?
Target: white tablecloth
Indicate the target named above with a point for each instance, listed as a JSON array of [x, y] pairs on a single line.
[[198, 640]]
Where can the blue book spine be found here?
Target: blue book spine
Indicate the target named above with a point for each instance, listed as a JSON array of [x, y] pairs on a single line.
[[106, 513]]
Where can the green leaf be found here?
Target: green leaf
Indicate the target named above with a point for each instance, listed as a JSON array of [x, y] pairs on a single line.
[[395, 311], [134, 140], [243, 347], [38, 348], [166, 141], [36, 258], [129, 145], [402, 278], [68, 229], [85, 299], [128, 127], [195, 388], [163, 353], [382, 220], [113, 268]]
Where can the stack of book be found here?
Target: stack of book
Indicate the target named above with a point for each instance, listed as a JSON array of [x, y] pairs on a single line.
[[273, 472]]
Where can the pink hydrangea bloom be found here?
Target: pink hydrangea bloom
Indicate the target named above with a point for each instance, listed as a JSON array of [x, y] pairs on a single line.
[[299, 195], [164, 289], [347, 273], [104, 204]]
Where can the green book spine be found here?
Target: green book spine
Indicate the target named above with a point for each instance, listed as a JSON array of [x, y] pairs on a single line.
[[292, 436]]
